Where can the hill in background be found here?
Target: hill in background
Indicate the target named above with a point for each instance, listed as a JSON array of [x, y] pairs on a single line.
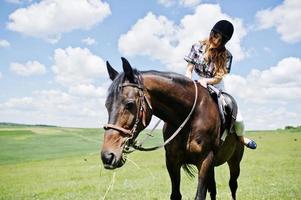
[[8, 124]]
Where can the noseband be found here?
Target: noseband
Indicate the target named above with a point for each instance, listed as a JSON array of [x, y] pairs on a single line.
[[130, 133]]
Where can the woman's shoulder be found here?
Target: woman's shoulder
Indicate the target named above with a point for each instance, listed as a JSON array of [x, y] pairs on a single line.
[[198, 46]]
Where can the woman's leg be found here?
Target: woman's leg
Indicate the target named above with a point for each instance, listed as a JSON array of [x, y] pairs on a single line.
[[239, 129]]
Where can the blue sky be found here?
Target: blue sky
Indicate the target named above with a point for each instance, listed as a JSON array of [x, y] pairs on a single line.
[[53, 53]]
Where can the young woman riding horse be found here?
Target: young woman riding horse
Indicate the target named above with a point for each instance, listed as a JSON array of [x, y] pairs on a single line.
[[134, 97], [212, 61]]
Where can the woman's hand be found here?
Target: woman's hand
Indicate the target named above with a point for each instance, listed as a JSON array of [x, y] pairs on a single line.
[[203, 82]]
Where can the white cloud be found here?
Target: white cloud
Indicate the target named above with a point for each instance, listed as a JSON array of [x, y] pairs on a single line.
[[89, 41], [59, 102], [150, 36], [166, 3], [269, 98], [80, 105], [14, 1], [18, 1], [23, 103], [53, 100], [185, 3], [80, 72], [74, 66], [263, 117], [28, 69], [87, 90], [0, 75], [286, 73], [4, 43], [161, 39], [54, 107], [189, 2], [53, 17], [278, 83], [285, 18]]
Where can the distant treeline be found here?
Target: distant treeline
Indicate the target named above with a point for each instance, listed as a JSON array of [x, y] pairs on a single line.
[[292, 127], [8, 124]]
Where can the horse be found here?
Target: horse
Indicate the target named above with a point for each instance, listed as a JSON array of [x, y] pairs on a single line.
[[135, 96]]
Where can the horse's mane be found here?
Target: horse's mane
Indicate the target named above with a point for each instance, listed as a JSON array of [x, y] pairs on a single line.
[[175, 77]]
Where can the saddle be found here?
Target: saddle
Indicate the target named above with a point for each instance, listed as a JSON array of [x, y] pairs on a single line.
[[227, 107]]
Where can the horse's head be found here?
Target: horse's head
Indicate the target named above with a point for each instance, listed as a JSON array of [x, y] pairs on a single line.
[[129, 113]]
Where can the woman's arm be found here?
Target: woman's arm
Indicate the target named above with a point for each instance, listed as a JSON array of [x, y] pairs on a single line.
[[216, 79], [189, 70], [219, 75], [212, 81]]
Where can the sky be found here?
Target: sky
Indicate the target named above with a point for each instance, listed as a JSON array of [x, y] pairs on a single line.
[[53, 54]]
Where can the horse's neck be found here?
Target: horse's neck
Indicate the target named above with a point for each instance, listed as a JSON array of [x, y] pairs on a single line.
[[171, 100]]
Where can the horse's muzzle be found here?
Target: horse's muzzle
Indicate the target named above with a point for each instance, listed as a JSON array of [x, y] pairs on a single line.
[[110, 160]]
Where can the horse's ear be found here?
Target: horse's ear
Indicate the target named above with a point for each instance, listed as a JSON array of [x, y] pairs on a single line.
[[127, 68], [111, 71]]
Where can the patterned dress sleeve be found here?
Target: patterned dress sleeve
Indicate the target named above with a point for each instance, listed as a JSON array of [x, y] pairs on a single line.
[[193, 54]]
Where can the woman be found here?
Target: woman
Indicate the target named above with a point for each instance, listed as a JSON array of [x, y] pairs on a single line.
[[212, 61]]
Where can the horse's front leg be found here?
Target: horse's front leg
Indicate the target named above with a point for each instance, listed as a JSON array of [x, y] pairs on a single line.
[[174, 170], [205, 176]]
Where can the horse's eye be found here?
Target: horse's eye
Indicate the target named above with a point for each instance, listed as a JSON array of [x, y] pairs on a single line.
[[129, 105]]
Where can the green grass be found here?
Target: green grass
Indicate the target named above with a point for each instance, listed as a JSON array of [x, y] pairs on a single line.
[[63, 163], [30, 144]]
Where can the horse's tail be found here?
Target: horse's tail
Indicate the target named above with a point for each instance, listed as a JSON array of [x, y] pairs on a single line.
[[190, 170]]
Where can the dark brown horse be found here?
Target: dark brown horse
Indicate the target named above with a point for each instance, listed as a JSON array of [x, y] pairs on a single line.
[[134, 97]]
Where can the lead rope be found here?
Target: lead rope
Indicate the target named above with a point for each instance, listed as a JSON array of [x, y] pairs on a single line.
[[140, 148]]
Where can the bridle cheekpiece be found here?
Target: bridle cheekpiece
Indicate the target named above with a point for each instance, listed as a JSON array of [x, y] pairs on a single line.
[[140, 115]]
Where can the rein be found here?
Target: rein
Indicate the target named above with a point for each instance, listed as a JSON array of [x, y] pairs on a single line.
[[130, 133]]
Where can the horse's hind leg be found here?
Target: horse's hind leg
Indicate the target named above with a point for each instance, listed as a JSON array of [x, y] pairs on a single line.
[[212, 184], [205, 176], [234, 166], [234, 173], [174, 170]]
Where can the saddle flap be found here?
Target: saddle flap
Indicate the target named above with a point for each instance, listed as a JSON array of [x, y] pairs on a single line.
[[230, 108], [231, 104], [227, 106]]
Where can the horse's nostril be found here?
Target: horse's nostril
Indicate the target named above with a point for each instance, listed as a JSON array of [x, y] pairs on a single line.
[[107, 157]]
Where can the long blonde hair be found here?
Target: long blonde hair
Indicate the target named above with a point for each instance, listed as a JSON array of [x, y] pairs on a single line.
[[219, 57]]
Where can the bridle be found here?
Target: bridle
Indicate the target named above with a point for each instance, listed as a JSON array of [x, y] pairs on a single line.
[[140, 114]]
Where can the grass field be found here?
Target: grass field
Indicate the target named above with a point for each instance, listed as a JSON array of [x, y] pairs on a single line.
[[63, 163]]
